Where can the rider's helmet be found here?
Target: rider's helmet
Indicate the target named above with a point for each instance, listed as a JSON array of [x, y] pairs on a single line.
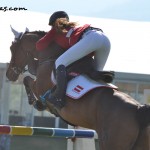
[[56, 15]]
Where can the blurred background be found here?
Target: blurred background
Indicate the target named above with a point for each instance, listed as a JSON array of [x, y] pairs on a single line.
[[125, 22]]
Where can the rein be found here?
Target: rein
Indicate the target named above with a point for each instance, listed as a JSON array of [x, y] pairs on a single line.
[[29, 56], [17, 69], [48, 61]]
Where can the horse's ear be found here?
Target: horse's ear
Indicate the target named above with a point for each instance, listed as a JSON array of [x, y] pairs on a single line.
[[27, 30], [16, 33]]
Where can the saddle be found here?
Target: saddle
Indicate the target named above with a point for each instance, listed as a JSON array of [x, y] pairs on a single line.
[[86, 66], [82, 78]]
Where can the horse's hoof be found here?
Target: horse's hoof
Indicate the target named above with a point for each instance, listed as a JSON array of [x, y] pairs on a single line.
[[39, 106]]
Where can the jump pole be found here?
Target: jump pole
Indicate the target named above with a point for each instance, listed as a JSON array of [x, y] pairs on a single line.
[[81, 143], [50, 132], [84, 137]]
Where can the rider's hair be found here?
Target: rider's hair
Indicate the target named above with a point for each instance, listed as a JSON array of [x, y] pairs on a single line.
[[61, 25]]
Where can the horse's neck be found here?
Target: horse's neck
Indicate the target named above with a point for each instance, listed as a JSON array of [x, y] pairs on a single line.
[[44, 77], [28, 42]]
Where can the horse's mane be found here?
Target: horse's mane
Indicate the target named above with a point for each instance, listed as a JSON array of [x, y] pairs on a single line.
[[40, 33]]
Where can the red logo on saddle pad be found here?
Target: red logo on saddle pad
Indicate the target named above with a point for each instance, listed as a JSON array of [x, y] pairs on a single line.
[[78, 89]]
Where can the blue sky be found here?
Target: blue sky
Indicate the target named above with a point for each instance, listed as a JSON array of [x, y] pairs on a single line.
[[136, 10]]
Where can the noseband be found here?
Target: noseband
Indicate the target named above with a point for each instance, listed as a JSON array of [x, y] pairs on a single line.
[[17, 70]]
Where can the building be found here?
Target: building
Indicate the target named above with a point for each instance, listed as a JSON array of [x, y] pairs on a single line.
[[14, 102], [129, 57]]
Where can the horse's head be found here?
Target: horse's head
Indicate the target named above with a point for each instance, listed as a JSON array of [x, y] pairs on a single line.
[[18, 57]]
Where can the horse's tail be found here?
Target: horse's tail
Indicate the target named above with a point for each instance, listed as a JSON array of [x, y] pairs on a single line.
[[143, 115]]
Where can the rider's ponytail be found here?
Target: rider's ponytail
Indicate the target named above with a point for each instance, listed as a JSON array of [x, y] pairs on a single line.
[[61, 25]]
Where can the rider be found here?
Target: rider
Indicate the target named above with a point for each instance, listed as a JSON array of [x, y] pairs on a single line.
[[79, 42]]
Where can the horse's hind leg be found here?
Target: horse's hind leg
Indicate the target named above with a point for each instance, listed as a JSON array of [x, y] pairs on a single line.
[[143, 140], [123, 141], [119, 133], [28, 83]]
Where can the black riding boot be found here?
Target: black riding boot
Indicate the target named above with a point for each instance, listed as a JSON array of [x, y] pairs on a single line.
[[57, 98]]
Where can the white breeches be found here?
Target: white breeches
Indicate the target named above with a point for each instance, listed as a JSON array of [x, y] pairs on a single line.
[[92, 41]]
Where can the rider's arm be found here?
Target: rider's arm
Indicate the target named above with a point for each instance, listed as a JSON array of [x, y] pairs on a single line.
[[45, 41]]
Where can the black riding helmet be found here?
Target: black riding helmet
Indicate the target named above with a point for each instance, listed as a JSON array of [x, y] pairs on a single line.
[[56, 15]]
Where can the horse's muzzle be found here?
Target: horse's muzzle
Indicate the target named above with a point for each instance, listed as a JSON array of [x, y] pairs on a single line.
[[12, 74]]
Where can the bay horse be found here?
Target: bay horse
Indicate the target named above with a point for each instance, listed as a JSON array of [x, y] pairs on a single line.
[[120, 121]]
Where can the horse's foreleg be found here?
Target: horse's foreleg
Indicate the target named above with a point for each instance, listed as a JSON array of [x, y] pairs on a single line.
[[28, 83], [33, 99]]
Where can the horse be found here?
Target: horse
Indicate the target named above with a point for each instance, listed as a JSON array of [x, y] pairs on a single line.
[[121, 122]]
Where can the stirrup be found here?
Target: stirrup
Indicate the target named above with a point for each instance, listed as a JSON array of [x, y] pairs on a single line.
[[57, 102], [44, 97], [52, 98]]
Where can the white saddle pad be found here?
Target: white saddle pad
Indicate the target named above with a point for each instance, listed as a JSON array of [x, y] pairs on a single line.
[[82, 84]]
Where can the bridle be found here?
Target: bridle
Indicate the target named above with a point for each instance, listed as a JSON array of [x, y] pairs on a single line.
[[28, 55], [19, 69], [12, 65]]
